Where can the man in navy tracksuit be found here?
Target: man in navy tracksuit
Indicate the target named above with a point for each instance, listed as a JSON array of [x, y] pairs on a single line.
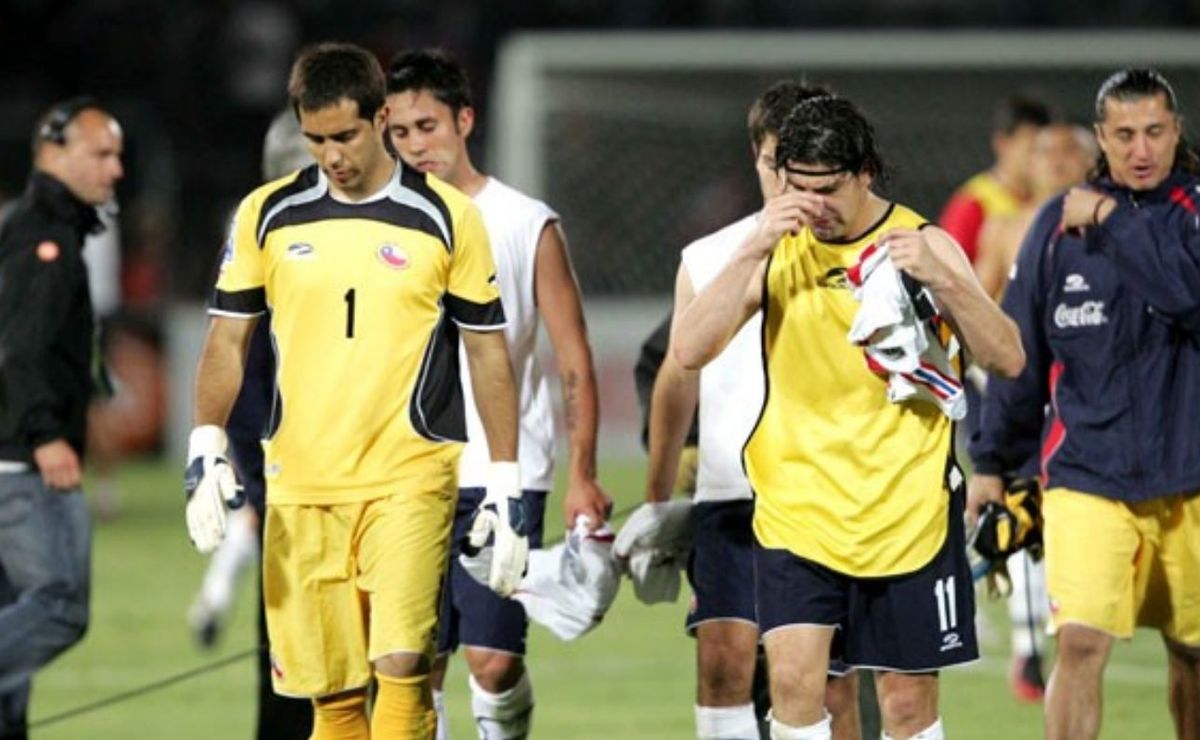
[[1106, 291]]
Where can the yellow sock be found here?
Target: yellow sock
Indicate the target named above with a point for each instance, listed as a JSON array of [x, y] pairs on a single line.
[[341, 717], [403, 709]]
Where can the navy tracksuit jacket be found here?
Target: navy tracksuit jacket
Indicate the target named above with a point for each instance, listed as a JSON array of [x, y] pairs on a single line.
[[1109, 400]]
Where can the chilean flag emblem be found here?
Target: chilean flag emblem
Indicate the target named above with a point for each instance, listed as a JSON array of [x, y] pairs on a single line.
[[393, 256]]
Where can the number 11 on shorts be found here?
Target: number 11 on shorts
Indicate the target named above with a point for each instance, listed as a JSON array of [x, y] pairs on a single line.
[[943, 593]]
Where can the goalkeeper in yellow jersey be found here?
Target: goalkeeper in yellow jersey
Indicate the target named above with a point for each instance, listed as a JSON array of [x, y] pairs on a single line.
[[371, 271]]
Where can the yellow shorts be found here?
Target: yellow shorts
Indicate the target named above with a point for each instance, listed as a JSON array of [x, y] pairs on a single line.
[[1116, 566], [345, 584]]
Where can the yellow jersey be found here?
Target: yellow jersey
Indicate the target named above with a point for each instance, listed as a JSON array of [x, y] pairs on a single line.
[[978, 199], [366, 299], [841, 476]]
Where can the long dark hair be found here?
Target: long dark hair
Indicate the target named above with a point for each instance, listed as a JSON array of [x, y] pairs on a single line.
[[770, 111], [830, 131], [1134, 84]]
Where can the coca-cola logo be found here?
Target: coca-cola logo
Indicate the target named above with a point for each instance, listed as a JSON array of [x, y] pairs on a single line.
[[1088, 313]]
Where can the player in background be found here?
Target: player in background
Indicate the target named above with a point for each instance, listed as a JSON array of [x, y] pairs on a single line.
[[431, 117], [999, 191], [1062, 154], [1003, 188]]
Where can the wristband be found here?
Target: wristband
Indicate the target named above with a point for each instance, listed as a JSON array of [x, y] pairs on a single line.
[[209, 439], [504, 477]]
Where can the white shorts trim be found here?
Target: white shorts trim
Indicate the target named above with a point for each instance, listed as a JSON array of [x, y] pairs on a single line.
[[497, 651], [934, 669], [799, 625], [691, 628]]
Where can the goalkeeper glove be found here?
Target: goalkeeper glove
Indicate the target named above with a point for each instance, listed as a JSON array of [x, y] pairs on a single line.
[[501, 517], [653, 547], [1013, 526], [210, 485]]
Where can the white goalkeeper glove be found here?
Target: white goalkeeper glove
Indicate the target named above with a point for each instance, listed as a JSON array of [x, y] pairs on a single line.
[[502, 517], [661, 526], [653, 547], [210, 485]]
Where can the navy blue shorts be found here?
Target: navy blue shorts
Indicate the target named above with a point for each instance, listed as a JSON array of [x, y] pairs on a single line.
[[472, 614], [721, 566], [918, 622]]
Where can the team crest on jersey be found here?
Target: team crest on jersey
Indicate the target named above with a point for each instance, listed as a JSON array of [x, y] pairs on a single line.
[[835, 278], [301, 251], [392, 256]]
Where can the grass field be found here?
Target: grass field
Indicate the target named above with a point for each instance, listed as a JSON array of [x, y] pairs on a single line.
[[632, 677]]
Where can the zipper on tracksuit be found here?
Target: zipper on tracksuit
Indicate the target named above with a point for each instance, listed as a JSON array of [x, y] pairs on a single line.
[[1134, 316]]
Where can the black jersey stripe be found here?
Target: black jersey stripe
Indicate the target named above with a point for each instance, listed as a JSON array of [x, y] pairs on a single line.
[[250, 301], [416, 181], [471, 313], [306, 179], [436, 409], [384, 210]]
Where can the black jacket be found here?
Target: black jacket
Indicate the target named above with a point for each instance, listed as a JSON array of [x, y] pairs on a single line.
[[650, 359], [46, 326]]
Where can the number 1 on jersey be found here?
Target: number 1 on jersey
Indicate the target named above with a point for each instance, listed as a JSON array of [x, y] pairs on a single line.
[[349, 313]]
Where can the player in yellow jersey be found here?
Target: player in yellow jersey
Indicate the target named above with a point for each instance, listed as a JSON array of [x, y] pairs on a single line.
[[370, 270], [857, 522], [1003, 188]]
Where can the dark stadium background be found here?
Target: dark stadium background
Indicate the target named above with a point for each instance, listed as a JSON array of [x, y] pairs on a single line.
[[195, 82]]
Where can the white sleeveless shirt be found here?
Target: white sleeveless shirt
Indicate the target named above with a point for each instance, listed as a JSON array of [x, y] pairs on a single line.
[[514, 223], [731, 385]]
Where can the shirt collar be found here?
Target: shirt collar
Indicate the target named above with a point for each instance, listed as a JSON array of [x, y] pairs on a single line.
[[55, 195]]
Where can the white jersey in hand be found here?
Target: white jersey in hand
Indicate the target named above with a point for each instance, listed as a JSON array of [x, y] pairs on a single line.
[[731, 386], [514, 223]]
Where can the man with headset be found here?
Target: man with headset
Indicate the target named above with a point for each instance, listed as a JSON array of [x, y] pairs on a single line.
[[46, 381]]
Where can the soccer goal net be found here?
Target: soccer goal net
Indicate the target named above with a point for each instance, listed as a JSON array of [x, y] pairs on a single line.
[[639, 140]]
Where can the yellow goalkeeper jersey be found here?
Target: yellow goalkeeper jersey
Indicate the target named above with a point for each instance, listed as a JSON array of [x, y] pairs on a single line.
[[842, 476], [366, 300]]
